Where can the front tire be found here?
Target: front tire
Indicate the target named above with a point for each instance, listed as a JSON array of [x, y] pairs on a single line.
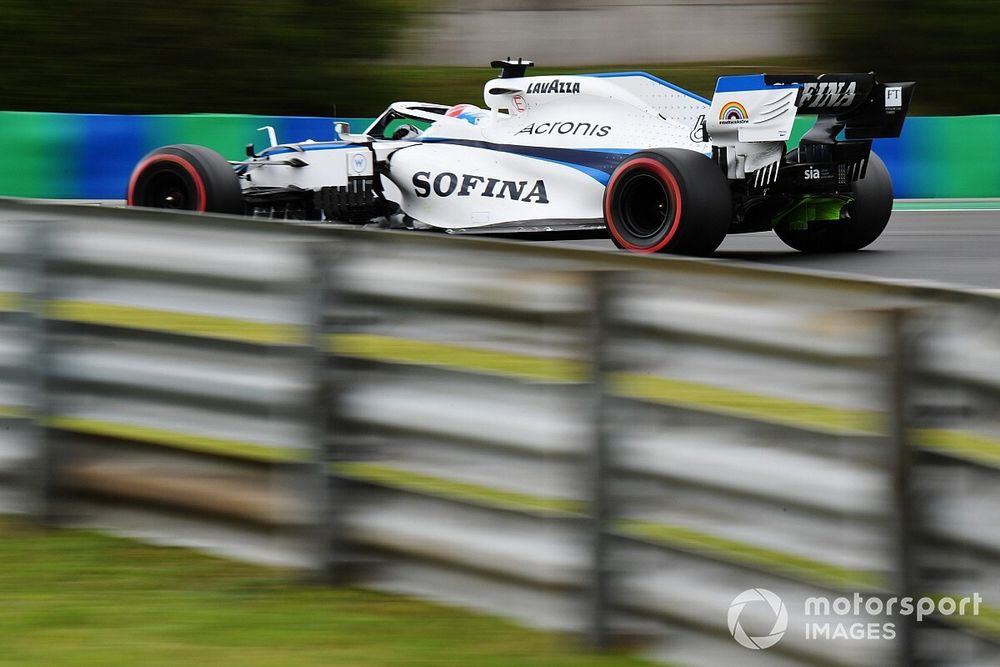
[[865, 220], [186, 177], [668, 200]]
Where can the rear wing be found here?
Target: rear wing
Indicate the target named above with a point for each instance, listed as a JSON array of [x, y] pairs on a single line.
[[762, 107], [750, 120]]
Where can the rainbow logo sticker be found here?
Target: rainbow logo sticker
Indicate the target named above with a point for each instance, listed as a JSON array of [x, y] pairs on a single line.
[[733, 113]]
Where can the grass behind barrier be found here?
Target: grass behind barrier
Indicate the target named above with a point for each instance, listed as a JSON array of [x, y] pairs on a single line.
[[73, 598]]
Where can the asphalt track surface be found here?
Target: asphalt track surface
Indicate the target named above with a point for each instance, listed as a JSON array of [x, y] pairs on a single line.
[[951, 243]]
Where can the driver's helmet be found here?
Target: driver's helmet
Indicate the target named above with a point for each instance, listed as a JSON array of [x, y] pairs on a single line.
[[467, 112]]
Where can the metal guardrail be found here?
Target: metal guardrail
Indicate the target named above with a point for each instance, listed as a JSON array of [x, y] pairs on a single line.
[[955, 416], [178, 377], [612, 445], [21, 394]]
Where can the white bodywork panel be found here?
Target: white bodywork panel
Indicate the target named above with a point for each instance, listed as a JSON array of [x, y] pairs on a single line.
[[327, 163], [456, 187], [769, 116], [752, 121]]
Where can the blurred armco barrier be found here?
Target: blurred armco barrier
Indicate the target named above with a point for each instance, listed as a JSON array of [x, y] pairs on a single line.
[[80, 156], [608, 444]]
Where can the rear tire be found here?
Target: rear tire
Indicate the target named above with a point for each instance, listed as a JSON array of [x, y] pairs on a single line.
[[668, 200], [186, 177], [866, 219]]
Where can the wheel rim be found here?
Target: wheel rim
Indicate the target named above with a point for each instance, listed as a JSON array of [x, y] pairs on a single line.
[[646, 209], [168, 189], [165, 180]]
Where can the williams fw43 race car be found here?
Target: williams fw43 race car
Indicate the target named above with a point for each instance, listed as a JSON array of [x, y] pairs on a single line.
[[662, 169]]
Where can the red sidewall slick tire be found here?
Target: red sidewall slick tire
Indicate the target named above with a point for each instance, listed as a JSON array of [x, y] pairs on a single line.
[[652, 171], [668, 200], [186, 177]]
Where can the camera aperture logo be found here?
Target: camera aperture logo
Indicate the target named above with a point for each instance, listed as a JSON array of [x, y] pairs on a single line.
[[753, 595], [859, 617]]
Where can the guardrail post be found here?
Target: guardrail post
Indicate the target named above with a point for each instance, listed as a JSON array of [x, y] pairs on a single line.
[[340, 562], [41, 481], [900, 364], [599, 468], [324, 518]]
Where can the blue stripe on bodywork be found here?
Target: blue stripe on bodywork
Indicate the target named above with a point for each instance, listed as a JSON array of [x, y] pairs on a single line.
[[740, 83], [596, 163], [745, 82], [317, 146], [596, 174], [654, 79]]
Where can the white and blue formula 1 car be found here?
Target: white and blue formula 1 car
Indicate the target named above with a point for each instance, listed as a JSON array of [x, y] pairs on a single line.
[[662, 169]]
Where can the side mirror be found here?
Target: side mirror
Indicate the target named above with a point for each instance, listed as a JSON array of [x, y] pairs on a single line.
[[343, 130], [272, 137]]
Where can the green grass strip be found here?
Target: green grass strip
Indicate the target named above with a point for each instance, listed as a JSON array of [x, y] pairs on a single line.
[[459, 357], [186, 441], [759, 407], [188, 324], [805, 569], [961, 444], [462, 491], [79, 599]]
